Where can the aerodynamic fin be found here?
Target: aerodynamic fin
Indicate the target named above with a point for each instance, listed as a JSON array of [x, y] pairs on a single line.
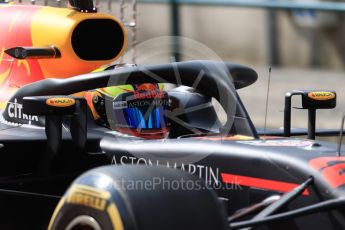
[[33, 52]]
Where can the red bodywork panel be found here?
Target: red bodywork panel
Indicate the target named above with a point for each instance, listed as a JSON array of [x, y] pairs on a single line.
[[16, 25]]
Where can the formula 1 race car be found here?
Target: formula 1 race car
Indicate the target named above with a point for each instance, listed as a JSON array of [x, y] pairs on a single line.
[[117, 149]]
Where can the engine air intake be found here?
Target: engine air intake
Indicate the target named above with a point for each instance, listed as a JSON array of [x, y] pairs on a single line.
[[97, 39]]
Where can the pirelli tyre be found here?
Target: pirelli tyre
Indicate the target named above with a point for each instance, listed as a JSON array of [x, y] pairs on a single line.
[[138, 198]]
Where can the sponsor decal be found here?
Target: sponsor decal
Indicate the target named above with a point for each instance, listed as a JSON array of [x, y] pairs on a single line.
[[321, 96], [147, 103], [60, 102], [15, 110], [207, 173], [149, 94], [260, 183], [120, 105], [88, 196], [331, 168], [279, 143]]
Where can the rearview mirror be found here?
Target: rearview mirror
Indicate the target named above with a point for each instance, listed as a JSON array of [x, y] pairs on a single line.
[[54, 108], [319, 99], [311, 100]]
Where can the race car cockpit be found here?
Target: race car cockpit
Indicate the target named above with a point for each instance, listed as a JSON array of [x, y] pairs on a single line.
[[147, 110]]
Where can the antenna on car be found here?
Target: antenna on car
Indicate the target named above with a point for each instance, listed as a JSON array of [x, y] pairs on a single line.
[[267, 95], [83, 6], [341, 135]]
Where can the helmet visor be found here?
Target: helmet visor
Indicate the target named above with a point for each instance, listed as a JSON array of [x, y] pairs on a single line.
[[145, 118], [141, 115]]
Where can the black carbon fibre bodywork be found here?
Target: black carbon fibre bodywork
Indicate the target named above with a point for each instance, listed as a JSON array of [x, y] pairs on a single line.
[[243, 169]]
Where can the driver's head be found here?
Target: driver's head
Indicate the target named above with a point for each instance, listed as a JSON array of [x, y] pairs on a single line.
[[138, 110]]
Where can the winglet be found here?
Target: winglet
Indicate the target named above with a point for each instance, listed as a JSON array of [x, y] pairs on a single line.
[[33, 52]]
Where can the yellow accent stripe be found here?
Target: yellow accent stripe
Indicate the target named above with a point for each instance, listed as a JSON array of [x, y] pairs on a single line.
[[115, 217], [114, 91], [100, 69], [89, 97], [3, 104], [161, 86], [26, 65], [5, 74], [243, 137], [112, 211], [56, 211], [14, 20]]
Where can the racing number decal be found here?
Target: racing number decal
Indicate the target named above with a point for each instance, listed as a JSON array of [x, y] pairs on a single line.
[[332, 169]]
